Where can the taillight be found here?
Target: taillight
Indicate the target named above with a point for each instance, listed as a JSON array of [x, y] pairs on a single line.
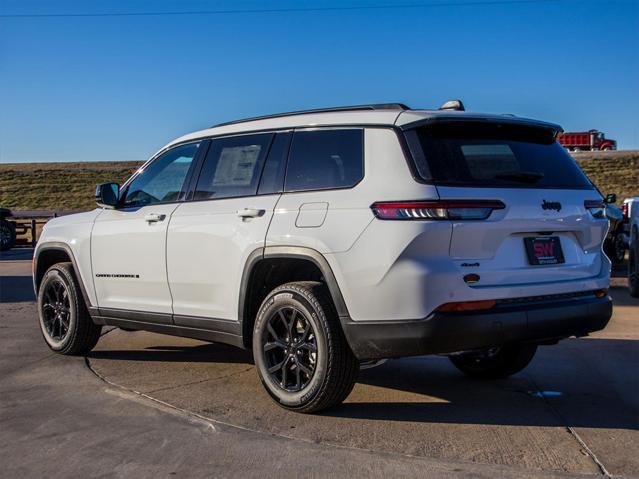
[[436, 209], [624, 210], [597, 208]]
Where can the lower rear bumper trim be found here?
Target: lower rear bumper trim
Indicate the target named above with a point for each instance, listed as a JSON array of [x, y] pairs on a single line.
[[450, 332]]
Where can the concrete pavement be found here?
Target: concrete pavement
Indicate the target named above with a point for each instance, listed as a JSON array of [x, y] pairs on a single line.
[[149, 405]]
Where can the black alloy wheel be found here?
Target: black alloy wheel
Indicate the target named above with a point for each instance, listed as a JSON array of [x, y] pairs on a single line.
[[56, 310], [290, 348], [64, 319], [301, 354]]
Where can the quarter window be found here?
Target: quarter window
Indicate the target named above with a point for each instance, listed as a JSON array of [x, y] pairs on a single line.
[[163, 179], [233, 167], [322, 159]]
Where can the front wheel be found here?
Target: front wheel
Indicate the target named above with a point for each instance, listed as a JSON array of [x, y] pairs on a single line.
[[495, 363], [302, 357], [64, 320]]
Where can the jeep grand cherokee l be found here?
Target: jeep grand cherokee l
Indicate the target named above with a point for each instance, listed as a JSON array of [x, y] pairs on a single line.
[[326, 238]]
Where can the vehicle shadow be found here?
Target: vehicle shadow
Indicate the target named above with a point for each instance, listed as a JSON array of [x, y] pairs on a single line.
[[562, 387], [202, 353], [16, 289], [590, 383]]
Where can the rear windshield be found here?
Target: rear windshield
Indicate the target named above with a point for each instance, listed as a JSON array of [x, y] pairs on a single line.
[[493, 155]]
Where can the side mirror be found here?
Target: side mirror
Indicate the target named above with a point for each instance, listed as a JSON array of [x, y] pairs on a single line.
[[611, 198], [107, 194]]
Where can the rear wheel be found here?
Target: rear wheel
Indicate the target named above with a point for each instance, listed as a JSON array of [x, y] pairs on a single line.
[[495, 363], [64, 320], [7, 235], [615, 249], [301, 354]]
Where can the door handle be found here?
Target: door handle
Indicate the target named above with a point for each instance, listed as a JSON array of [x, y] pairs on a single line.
[[250, 213], [154, 217]]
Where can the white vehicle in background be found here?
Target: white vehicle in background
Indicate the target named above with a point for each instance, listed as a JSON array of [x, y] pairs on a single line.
[[633, 245], [327, 238]]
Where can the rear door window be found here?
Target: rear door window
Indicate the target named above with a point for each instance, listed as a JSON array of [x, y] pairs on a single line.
[[233, 167], [493, 155], [324, 159]]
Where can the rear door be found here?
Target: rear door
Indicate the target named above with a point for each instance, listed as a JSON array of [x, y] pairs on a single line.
[[128, 244], [545, 232], [211, 236]]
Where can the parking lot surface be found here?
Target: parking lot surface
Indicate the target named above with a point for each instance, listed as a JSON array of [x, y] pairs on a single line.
[[150, 405]]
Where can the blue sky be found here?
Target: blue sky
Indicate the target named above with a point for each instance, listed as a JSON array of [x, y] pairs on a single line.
[[120, 87]]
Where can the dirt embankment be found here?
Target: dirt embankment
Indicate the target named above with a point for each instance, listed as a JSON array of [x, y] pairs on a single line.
[[57, 186], [71, 186], [612, 171]]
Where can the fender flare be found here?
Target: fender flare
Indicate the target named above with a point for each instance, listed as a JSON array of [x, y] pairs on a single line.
[[297, 252], [59, 246]]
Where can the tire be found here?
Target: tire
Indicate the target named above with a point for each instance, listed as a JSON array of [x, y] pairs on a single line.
[[633, 266], [64, 319], [7, 235], [495, 363], [615, 249], [297, 329]]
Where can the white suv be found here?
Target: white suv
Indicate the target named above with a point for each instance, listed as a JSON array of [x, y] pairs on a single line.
[[327, 238]]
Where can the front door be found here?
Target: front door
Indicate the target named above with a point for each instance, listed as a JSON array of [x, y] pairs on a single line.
[[128, 244]]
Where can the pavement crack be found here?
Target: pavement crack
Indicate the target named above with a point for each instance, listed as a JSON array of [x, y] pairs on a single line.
[[570, 429]]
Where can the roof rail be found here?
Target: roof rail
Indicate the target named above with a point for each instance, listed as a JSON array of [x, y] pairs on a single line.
[[377, 106]]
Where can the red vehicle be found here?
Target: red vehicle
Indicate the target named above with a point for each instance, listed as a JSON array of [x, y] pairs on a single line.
[[591, 140]]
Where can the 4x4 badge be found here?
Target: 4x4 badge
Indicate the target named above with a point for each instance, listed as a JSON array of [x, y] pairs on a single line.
[[551, 205]]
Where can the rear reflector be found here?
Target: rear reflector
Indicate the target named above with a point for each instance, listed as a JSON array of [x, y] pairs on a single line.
[[436, 210], [600, 293], [466, 306]]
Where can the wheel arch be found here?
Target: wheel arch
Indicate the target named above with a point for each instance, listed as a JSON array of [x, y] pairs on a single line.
[[52, 253], [299, 263]]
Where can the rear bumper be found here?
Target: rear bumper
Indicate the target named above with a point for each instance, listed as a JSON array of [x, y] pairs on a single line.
[[451, 332]]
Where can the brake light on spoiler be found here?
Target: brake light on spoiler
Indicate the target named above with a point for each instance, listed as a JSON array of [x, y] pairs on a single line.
[[436, 209]]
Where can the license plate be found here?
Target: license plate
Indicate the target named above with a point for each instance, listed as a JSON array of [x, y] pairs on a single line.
[[544, 250]]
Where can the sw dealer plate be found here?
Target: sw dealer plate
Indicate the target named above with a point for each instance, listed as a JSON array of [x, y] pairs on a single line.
[[544, 250]]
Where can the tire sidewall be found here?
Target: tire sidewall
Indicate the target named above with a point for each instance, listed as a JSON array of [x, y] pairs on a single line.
[[275, 301], [55, 274]]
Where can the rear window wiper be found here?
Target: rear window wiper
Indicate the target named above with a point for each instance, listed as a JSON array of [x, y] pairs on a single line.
[[520, 176]]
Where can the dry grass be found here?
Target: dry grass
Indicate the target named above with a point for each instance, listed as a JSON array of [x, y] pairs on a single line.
[[57, 186], [612, 171], [71, 186]]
